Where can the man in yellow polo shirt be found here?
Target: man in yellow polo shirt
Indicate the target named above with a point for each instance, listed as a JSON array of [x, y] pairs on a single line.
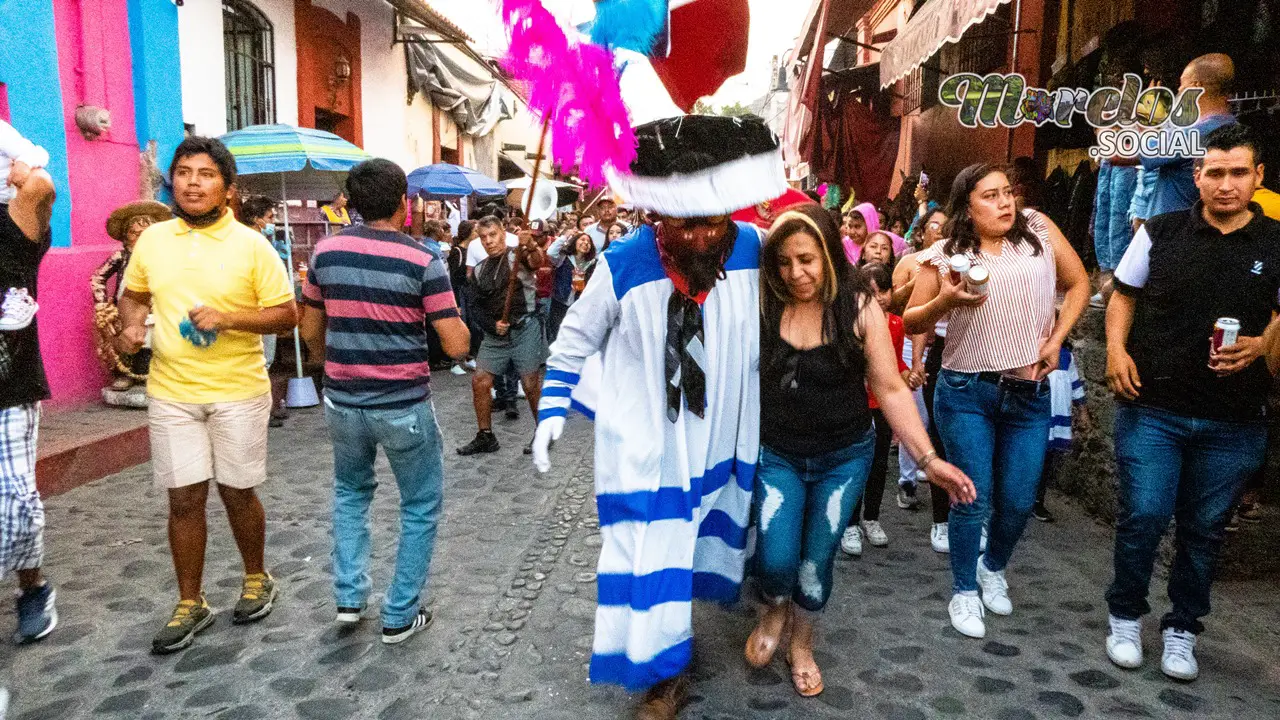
[[215, 287]]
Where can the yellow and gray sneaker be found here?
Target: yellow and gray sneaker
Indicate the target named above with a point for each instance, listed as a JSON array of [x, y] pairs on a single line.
[[256, 596], [189, 618]]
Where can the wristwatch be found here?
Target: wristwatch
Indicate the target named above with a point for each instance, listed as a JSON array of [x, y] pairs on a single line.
[[922, 463]]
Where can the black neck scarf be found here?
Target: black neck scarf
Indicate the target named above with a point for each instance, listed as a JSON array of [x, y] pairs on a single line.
[[685, 352], [199, 221]]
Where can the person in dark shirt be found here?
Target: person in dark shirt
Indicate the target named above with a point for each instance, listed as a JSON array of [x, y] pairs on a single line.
[[1190, 427], [506, 310], [25, 237]]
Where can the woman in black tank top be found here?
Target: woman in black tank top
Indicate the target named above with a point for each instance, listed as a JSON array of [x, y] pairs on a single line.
[[823, 340]]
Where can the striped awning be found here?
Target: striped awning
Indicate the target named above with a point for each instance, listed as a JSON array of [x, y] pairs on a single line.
[[937, 23], [284, 148]]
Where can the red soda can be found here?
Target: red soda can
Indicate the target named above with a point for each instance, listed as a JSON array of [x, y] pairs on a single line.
[[1225, 333]]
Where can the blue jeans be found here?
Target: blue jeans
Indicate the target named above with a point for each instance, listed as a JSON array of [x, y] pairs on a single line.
[[1112, 230], [411, 440], [998, 437], [800, 509], [1172, 466]]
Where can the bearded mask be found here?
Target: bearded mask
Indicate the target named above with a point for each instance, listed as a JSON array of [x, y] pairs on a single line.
[[697, 248]]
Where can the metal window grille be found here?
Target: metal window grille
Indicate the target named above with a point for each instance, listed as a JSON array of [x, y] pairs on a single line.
[[249, 47], [983, 49]]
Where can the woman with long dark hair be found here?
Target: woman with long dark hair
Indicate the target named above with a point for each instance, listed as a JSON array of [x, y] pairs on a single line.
[[823, 342], [992, 399]]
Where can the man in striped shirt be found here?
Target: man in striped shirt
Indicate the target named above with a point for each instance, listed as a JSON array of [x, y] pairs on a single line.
[[368, 298]]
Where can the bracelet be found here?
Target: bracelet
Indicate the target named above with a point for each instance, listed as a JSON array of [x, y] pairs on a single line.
[[925, 459]]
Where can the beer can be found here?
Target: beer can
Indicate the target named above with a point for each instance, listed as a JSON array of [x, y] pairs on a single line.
[[959, 268], [1225, 333], [977, 279]]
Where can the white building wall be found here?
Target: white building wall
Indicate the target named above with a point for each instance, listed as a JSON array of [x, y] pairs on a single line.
[[203, 67]]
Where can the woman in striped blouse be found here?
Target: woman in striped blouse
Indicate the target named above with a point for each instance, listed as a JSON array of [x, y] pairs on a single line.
[[992, 399]]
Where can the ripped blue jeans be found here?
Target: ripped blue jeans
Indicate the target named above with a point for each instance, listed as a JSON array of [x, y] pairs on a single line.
[[411, 440], [800, 510]]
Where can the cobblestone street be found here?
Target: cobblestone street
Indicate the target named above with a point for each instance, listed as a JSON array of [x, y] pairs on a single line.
[[512, 587]]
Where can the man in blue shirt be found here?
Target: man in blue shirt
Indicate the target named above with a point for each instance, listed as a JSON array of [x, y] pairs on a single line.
[[1175, 186]]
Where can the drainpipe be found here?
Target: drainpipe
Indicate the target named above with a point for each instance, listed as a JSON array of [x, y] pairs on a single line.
[[92, 117], [1013, 67]]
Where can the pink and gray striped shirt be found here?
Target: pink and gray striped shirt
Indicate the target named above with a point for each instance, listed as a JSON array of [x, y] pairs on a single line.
[[378, 290], [1005, 332]]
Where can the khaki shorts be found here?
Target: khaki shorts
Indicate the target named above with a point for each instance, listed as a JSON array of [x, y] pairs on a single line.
[[226, 442], [523, 350]]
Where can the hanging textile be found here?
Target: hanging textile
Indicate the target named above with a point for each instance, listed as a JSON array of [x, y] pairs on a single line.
[[852, 146]]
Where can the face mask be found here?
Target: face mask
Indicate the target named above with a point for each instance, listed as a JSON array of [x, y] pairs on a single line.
[[269, 230]]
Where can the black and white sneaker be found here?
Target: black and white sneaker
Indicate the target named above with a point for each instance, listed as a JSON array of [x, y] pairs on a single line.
[[349, 615], [1041, 513], [393, 636], [484, 442], [907, 497]]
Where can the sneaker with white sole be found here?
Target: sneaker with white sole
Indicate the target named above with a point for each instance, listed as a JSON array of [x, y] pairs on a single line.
[[875, 533], [1124, 643], [939, 538], [394, 636], [457, 370], [470, 364], [1097, 301], [851, 541], [1179, 659], [966, 615], [995, 589], [17, 310], [907, 497], [349, 615]]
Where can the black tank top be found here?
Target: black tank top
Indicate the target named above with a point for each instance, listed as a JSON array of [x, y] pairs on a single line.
[[811, 404], [22, 378]]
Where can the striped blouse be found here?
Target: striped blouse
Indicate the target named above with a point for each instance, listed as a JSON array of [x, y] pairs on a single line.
[[1005, 332]]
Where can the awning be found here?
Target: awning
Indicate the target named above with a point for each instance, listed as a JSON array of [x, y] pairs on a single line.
[[421, 13], [513, 165], [937, 23], [842, 19]]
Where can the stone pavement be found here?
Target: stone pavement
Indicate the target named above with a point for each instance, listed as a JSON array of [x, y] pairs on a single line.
[[513, 593]]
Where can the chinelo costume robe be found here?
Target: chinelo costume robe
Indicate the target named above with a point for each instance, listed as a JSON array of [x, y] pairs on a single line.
[[674, 498]]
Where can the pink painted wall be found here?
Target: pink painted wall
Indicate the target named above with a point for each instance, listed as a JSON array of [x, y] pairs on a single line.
[[95, 68]]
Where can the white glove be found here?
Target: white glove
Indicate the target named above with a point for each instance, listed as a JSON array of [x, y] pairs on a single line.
[[548, 431]]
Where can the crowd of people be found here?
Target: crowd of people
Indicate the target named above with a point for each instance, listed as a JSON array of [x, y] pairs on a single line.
[[741, 381]]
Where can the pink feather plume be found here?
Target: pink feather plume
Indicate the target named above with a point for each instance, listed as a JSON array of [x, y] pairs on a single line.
[[574, 84]]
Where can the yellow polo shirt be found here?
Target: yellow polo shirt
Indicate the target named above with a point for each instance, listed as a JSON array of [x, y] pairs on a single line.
[[226, 266], [1269, 201]]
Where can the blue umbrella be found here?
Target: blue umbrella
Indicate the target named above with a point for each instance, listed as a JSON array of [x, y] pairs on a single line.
[[443, 181], [303, 154]]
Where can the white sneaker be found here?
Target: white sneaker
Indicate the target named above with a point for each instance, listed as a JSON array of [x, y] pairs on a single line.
[[457, 370], [1097, 301], [939, 538], [875, 533], [995, 589], [4, 702], [470, 364], [17, 310], [851, 541], [1124, 644], [1179, 660], [966, 615], [982, 544], [520, 390], [907, 497]]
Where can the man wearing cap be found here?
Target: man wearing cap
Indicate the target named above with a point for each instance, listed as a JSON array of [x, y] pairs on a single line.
[[666, 337], [125, 225], [608, 215]]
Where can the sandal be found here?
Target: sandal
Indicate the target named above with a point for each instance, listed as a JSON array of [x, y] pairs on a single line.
[[808, 683], [760, 647]]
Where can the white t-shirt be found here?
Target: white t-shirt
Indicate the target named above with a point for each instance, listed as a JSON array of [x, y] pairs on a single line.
[[476, 253]]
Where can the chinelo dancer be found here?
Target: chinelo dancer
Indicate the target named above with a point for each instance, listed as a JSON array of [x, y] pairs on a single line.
[[668, 329]]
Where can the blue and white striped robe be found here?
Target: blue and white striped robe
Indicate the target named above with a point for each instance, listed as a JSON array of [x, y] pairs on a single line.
[[674, 498]]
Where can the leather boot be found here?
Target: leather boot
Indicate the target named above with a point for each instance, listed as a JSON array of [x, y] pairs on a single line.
[[664, 700]]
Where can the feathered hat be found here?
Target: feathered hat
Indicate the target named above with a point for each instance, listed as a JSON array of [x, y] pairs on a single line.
[[702, 165]]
